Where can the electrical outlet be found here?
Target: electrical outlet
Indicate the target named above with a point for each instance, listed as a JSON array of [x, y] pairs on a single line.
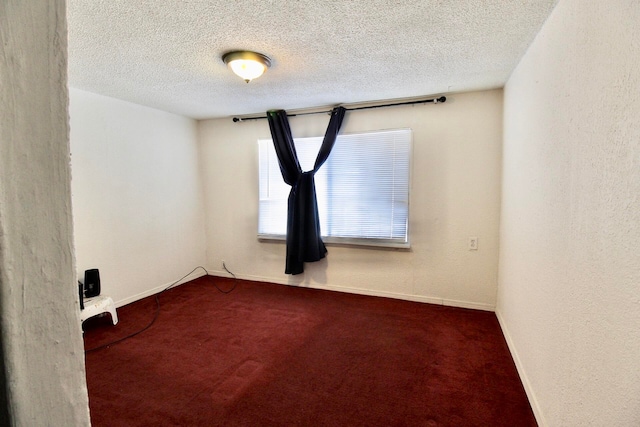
[[473, 243]]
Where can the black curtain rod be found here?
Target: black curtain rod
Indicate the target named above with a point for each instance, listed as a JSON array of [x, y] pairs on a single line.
[[423, 101]]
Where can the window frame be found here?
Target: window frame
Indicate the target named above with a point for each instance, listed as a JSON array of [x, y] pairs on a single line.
[[353, 241]]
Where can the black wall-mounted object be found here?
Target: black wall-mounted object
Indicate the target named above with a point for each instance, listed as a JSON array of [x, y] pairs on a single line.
[[91, 283], [81, 294]]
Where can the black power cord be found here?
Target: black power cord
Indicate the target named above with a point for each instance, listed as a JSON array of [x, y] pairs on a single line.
[[235, 280], [157, 313]]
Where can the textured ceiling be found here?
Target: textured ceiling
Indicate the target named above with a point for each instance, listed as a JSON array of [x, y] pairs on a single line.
[[166, 54]]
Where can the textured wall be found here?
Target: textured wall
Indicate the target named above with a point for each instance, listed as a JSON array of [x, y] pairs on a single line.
[[38, 294], [455, 194], [569, 298], [137, 196]]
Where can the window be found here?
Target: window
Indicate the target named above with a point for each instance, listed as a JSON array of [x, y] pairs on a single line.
[[362, 189]]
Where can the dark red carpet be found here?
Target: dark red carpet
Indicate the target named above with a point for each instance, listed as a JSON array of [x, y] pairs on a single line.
[[274, 355]]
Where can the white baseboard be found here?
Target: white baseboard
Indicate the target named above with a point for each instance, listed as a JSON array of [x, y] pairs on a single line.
[[158, 289], [359, 291], [537, 411]]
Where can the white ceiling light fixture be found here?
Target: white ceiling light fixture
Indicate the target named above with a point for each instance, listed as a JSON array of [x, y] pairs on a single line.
[[248, 65]]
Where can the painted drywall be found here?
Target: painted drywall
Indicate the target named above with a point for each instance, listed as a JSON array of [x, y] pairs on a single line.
[[39, 313], [137, 195], [569, 282], [455, 194]]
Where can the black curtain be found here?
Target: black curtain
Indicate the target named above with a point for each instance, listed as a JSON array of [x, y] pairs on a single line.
[[304, 243]]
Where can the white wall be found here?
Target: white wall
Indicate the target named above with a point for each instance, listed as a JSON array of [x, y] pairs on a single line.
[[455, 194], [137, 195], [39, 312], [569, 283]]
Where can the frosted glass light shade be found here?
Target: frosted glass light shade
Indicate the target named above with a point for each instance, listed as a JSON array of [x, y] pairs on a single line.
[[247, 65]]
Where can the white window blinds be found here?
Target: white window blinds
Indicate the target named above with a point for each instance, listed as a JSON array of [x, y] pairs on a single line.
[[362, 189]]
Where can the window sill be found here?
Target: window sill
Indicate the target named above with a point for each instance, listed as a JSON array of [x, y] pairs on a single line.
[[345, 242]]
